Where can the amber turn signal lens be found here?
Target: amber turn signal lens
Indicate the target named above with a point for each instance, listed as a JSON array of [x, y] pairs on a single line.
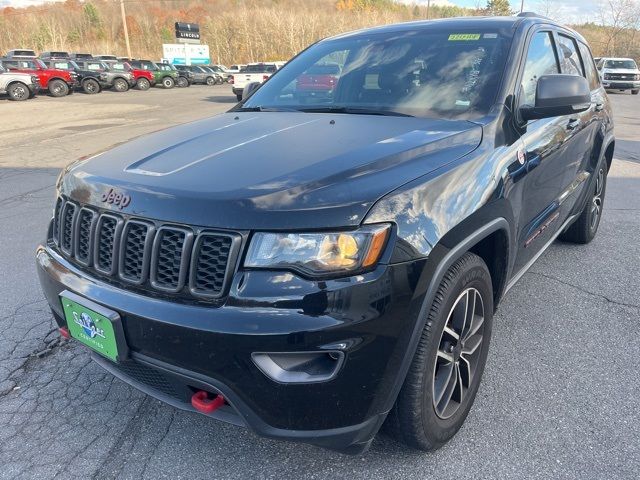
[[376, 247]]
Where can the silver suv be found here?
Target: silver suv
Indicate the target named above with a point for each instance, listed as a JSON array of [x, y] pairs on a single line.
[[18, 86]]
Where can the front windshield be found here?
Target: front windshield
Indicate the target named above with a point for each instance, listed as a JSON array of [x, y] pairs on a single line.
[[625, 64], [425, 73]]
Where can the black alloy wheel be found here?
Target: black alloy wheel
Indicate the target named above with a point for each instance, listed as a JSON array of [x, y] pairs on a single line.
[[457, 358]]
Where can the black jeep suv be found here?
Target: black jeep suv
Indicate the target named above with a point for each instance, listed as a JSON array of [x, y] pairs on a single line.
[[311, 266]]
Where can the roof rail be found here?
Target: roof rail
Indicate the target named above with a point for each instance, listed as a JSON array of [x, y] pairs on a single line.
[[531, 15]]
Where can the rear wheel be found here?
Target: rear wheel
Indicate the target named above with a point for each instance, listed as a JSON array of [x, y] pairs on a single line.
[[445, 373], [143, 84], [91, 86], [182, 82], [584, 229], [239, 96], [58, 88], [211, 81], [18, 92], [168, 82], [120, 85], [219, 81]]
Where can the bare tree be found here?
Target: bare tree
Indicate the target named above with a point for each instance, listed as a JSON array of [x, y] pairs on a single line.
[[618, 16]]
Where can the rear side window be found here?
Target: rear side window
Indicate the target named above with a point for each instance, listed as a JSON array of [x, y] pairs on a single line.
[[541, 60], [589, 66], [569, 58]]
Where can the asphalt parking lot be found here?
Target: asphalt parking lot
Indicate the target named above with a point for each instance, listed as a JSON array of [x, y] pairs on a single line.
[[560, 396]]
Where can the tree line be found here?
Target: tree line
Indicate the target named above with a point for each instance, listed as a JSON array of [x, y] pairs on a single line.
[[241, 31]]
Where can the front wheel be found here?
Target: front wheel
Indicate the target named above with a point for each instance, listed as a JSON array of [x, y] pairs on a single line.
[[58, 88], [211, 81], [584, 229], [219, 81], [168, 82], [143, 84], [445, 373], [239, 96], [182, 82], [634, 92], [120, 85], [18, 92], [91, 86]]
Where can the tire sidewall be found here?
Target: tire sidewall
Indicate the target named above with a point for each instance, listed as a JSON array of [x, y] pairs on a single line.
[[52, 87], [210, 81], [11, 89], [440, 430], [168, 82], [120, 85], [93, 82], [143, 84]]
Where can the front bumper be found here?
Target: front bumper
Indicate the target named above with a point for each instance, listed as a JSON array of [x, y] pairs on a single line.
[[177, 348], [621, 84]]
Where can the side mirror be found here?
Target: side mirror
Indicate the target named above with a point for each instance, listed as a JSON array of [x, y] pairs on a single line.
[[558, 95], [249, 88]]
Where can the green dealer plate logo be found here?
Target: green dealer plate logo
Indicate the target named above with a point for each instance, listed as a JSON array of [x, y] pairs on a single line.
[[91, 328]]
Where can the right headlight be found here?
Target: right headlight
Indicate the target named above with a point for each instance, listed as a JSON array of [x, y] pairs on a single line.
[[319, 253]]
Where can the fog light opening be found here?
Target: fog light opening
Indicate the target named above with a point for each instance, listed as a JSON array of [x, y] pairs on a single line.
[[299, 367]]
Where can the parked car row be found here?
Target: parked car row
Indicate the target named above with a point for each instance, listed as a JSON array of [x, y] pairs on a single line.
[[23, 74]]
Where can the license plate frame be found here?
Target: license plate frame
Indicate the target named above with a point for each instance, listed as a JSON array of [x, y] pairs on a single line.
[[96, 327]]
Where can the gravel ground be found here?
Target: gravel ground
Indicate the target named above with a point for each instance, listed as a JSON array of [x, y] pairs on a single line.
[[559, 398]]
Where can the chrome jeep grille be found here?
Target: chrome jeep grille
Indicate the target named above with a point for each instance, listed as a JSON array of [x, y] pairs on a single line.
[[169, 259]]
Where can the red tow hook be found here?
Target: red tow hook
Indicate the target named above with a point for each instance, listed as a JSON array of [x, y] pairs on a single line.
[[201, 402], [64, 332]]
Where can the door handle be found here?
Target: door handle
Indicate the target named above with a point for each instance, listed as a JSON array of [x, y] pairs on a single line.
[[573, 124]]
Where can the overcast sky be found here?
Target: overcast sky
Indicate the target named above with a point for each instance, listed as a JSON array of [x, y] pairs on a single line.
[[564, 10]]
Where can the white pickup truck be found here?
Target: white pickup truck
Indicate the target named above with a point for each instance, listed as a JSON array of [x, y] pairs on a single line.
[[18, 86], [254, 72]]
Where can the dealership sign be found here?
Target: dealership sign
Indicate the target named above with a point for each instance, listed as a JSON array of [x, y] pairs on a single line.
[[186, 53], [187, 31]]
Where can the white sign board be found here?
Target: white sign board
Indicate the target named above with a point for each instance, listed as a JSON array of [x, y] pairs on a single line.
[[186, 54]]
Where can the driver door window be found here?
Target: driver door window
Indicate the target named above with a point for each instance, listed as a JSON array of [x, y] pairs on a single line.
[[541, 60]]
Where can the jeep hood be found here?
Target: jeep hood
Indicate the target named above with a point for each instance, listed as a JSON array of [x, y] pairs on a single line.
[[265, 170]]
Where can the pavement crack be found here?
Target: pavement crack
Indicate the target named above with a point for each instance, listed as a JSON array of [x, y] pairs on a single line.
[[584, 290]]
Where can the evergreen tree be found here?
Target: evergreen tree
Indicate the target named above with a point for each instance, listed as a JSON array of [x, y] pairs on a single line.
[[498, 7]]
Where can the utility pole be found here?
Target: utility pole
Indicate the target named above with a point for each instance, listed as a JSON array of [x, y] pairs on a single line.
[[521, 6], [126, 30], [428, 8]]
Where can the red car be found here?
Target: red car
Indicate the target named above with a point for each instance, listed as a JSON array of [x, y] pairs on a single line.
[[59, 82], [319, 78]]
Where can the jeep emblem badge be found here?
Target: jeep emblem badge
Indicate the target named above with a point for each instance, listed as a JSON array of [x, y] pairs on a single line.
[[113, 197]]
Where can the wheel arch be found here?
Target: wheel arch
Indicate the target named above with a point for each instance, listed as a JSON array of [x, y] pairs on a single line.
[[609, 149], [483, 241]]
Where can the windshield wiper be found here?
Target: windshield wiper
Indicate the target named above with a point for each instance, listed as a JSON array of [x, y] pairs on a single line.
[[354, 111], [266, 109]]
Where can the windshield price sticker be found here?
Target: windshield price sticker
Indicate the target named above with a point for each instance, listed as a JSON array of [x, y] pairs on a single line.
[[464, 37]]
